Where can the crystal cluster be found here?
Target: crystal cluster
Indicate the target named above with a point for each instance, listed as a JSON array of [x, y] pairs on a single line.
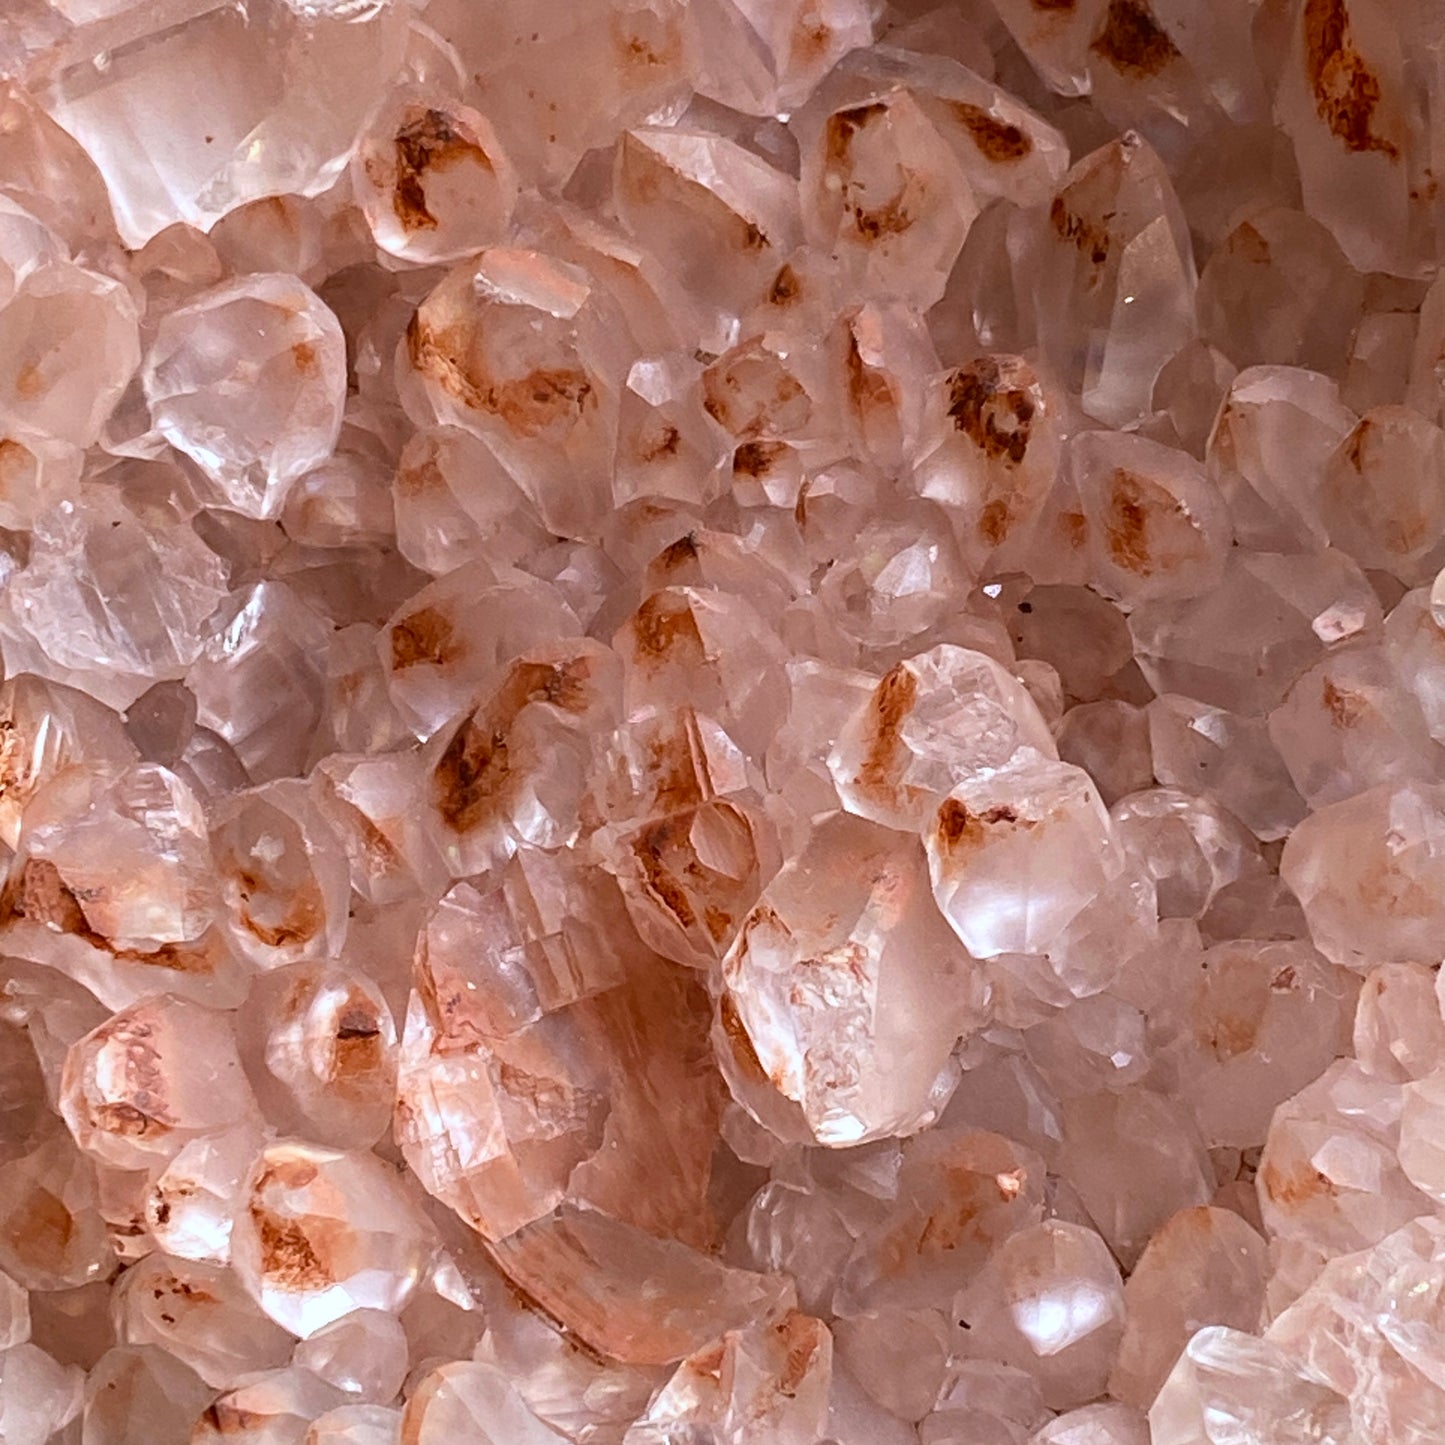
[[722, 722]]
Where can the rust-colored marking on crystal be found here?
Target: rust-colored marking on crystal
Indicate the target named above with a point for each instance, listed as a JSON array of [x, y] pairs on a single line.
[[736, 1033], [800, 1338], [664, 627], [872, 223], [1075, 527], [718, 922], [39, 894], [288, 1257], [637, 51], [708, 1363], [753, 237], [672, 765], [845, 124], [786, 287], [301, 921], [649, 848], [1085, 236], [892, 702], [734, 398], [427, 635], [529, 404], [1227, 1036], [665, 444], [142, 1112], [960, 830], [1345, 708], [1346, 91], [562, 686], [358, 1050], [890, 219], [1356, 443], [996, 139], [427, 142], [15, 461], [756, 459], [471, 775], [1246, 243], [1133, 41], [1126, 524], [127, 1122], [227, 1420], [199, 957], [995, 522], [811, 36], [678, 554], [955, 1224], [867, 390], [479, 763], [1298, 1185], [29, 382], [995, 416], [41, 1229]]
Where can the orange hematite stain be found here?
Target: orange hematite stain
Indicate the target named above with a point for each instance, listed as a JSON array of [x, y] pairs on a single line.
[[1087, 237], [740, 1041], [756, 459], [16, 460], [29, 383], [995, 522], [867, 389], [800, 1336], [960, 830], [426, 142], [664, 630], [1133, 41], [1346, 91], [845, 124], [892, 702], [303, 356], [1227, 1036], [426, 635], [41, 1230], [997, 139], [357, 1051], [995, 415], [529, 404], [786, 287], [651, 849], [1345, 708], [38, 894], [1297, 1185], [482, 761], [1126, 526], [288, 1257]]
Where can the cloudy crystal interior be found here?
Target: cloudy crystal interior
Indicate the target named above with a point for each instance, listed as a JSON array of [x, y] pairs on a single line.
[[722, 722]]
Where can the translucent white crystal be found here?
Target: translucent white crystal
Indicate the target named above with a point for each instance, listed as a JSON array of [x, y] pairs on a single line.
[[324, 1233], [248, 381], [825, 989], [192, 111]]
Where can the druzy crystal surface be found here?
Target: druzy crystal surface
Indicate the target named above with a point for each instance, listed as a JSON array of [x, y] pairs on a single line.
[[722, 722]]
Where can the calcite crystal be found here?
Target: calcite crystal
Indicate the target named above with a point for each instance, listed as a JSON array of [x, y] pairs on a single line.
[[722, 722]]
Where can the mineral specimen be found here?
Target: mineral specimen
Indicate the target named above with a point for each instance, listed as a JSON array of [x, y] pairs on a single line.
[[722, 722]]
